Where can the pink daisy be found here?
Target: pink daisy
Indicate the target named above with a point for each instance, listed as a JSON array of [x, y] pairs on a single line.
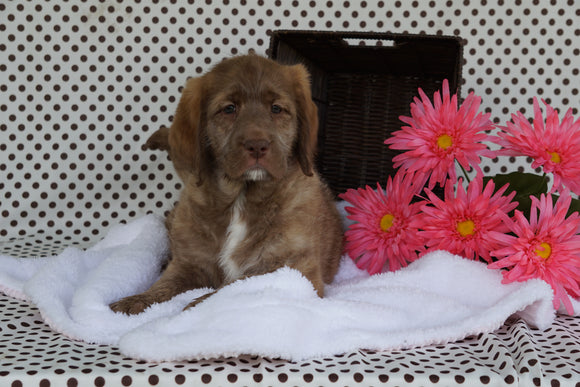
[[554, 145], [439, 134], [469, 224], [546, 247], [382, 236]]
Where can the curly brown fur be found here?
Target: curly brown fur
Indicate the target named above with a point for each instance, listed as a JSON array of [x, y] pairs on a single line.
[[243, 142]]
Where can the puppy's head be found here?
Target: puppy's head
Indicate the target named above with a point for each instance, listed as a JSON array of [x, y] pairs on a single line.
[[249, 118]]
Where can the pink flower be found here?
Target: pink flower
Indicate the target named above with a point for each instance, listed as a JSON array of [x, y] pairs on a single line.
[[469, 224], [554, 145], [382, 235], [546, 247], [439, 134]]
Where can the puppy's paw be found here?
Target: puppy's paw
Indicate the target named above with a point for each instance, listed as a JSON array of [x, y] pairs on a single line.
[[131, 305], [198, 301]]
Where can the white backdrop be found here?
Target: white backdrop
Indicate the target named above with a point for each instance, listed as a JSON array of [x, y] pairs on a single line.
[[84, 83]]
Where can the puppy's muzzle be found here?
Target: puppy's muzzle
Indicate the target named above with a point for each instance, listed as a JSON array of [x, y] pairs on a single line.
[[257, 149]]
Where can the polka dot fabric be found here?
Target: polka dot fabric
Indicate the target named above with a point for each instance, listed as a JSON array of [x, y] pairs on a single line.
[[515, 355], [82, 86]]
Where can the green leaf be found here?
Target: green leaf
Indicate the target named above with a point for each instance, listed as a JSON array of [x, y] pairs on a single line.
[[574, 207], [525, 184]]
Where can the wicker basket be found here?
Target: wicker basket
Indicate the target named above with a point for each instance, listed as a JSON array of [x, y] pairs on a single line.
[[362, 83]]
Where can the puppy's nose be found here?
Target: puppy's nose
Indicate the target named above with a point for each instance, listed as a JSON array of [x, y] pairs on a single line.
[[257, 148]]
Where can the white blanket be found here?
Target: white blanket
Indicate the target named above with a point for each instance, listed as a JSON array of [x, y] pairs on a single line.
[[437, 299]]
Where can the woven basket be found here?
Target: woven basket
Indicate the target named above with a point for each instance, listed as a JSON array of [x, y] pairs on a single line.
[[362, 83]]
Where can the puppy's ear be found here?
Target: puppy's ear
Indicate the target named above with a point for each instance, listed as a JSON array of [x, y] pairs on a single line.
[[307, 111], [187, 139], [158, 140]]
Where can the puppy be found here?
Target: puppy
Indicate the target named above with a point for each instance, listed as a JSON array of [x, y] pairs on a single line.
[[243, 141]]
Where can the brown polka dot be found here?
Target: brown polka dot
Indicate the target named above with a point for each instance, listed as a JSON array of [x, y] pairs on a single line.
[[308, 378], [232, 378]]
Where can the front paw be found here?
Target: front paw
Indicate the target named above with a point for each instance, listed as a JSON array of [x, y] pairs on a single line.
[[132, 304], [198, 300]]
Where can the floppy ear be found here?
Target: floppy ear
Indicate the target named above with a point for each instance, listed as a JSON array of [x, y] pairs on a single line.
[[187, 140], [307, 111], [158, 140]]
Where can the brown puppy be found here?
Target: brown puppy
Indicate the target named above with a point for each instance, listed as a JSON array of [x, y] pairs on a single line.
[[243, 141]]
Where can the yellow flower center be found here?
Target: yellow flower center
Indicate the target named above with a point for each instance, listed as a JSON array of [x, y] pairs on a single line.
[[545, 252], [555, 157], [466, 227], [444, 141], [387, 222]]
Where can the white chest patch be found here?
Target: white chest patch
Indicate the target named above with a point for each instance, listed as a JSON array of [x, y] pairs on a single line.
[[236, 232]]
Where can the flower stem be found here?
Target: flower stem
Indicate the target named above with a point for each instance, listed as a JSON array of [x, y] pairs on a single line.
[[465, 173]]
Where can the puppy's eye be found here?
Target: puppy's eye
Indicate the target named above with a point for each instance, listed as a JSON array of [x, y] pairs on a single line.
[[230, 109], [276, 109]]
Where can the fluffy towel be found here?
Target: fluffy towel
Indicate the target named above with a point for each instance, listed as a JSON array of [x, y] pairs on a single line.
[[437, 299]]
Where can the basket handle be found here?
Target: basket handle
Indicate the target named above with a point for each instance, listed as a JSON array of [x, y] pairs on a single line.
[[370, 42]]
